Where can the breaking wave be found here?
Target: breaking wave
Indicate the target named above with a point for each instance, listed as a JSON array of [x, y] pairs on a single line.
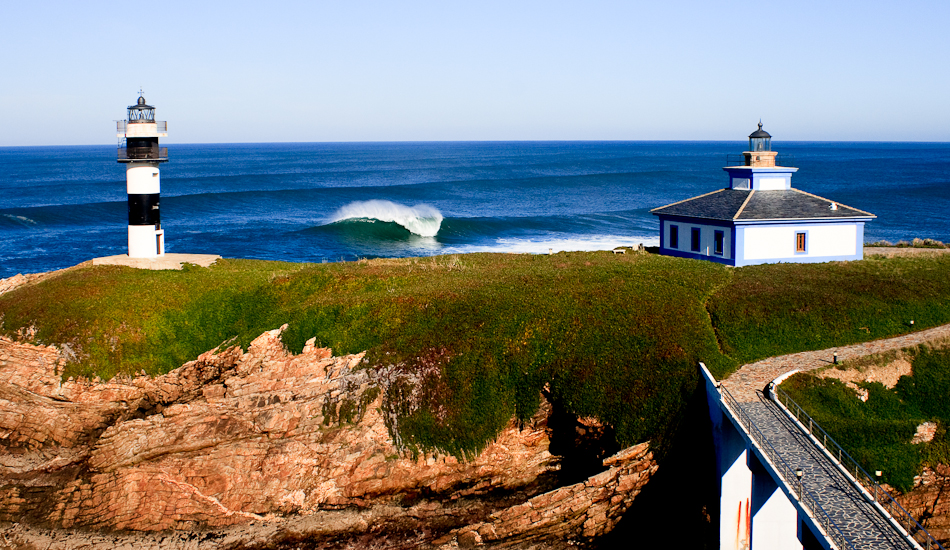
[[422, 220]]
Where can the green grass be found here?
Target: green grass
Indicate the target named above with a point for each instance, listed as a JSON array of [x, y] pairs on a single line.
[[123, 320], [770, 310], [877, 433], [616, 337]]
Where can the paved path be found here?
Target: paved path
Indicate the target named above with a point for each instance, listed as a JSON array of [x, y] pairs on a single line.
[[168, 261], [753, 377], [857, 519]]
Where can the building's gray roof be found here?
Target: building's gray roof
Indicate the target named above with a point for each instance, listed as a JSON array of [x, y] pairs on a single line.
[[739, 205]]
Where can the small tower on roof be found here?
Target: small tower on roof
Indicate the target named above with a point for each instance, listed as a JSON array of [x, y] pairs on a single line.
[[759, 171], [141, 154], [760, 153]]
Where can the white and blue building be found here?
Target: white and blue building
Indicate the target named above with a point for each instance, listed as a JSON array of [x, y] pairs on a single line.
[[760, 218]]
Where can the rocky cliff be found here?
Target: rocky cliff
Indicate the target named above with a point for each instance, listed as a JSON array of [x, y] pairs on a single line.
[[929, 501], [267, 448]]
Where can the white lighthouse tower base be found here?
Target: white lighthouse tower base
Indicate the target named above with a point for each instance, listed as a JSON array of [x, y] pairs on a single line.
[[145, 241]]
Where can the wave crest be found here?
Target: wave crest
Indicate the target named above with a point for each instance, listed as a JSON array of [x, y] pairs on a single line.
[[422, 219]]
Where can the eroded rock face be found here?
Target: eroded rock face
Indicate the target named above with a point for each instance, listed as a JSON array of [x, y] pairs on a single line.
[[264, 436], [582, 511], [11, 283], [929, 501]]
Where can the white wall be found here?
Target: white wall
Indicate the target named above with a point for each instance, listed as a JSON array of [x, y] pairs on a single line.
[[142, 129], [735, 505], [775, 524], [778, 241], [142, 179], [772, 184], [146, 242]]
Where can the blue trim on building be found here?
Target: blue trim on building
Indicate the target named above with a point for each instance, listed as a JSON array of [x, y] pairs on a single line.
[[755, 174], [802, 221], [733, 239], [807, 242]]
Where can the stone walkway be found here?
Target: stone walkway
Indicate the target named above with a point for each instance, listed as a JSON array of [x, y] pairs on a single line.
[[744, 383], [856, 518]]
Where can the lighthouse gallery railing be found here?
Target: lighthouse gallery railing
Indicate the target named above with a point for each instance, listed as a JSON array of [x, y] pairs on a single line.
[[142, 153]]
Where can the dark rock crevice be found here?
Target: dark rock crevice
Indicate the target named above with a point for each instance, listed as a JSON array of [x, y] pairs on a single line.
[[683, 492]]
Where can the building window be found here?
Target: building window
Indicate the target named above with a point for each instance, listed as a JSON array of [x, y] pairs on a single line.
[[694, 239], [719, 239], [800, 244], [674, 236]]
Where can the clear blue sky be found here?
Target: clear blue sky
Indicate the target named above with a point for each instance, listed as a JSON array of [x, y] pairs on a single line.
[[509, 70]]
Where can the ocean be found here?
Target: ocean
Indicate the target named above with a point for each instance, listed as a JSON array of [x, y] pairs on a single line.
[[329, 202]]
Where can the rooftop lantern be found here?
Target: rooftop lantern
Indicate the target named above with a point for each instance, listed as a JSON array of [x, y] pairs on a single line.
[[760, 152], [140, 112], [759, 140]]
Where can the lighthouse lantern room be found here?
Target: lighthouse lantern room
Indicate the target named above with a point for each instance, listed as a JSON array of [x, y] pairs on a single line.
[[139, 151]]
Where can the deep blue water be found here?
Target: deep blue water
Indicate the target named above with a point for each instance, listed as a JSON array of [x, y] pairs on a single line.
[[62, 205]]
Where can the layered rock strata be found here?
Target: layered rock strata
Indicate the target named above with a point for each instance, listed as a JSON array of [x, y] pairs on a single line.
[[270, 438], [582, 511], [929, 501]]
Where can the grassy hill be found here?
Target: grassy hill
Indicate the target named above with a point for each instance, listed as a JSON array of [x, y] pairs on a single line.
[[615, 337], [877, 432]]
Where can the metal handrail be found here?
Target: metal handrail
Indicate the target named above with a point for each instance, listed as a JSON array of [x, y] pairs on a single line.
[[853, 469], [806, 497], [155, 153]]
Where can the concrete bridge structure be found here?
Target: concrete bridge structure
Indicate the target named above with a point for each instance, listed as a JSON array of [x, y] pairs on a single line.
[[784, 484]]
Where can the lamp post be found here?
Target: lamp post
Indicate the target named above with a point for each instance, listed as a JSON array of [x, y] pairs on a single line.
[[799, 473]]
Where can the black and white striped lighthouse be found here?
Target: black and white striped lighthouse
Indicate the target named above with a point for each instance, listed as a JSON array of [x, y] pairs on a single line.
[[139, 151]]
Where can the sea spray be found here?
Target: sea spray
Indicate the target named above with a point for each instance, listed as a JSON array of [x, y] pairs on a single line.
[[422, 219]]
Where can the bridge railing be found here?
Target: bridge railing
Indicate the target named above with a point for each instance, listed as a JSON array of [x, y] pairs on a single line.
[[806, 497], [852, 468]]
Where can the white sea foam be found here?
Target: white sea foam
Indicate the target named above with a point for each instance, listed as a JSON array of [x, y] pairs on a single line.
[[529, 246], [21, 219], [421, 219]]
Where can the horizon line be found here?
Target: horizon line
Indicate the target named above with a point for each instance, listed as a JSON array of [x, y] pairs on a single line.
[[493, 141]]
